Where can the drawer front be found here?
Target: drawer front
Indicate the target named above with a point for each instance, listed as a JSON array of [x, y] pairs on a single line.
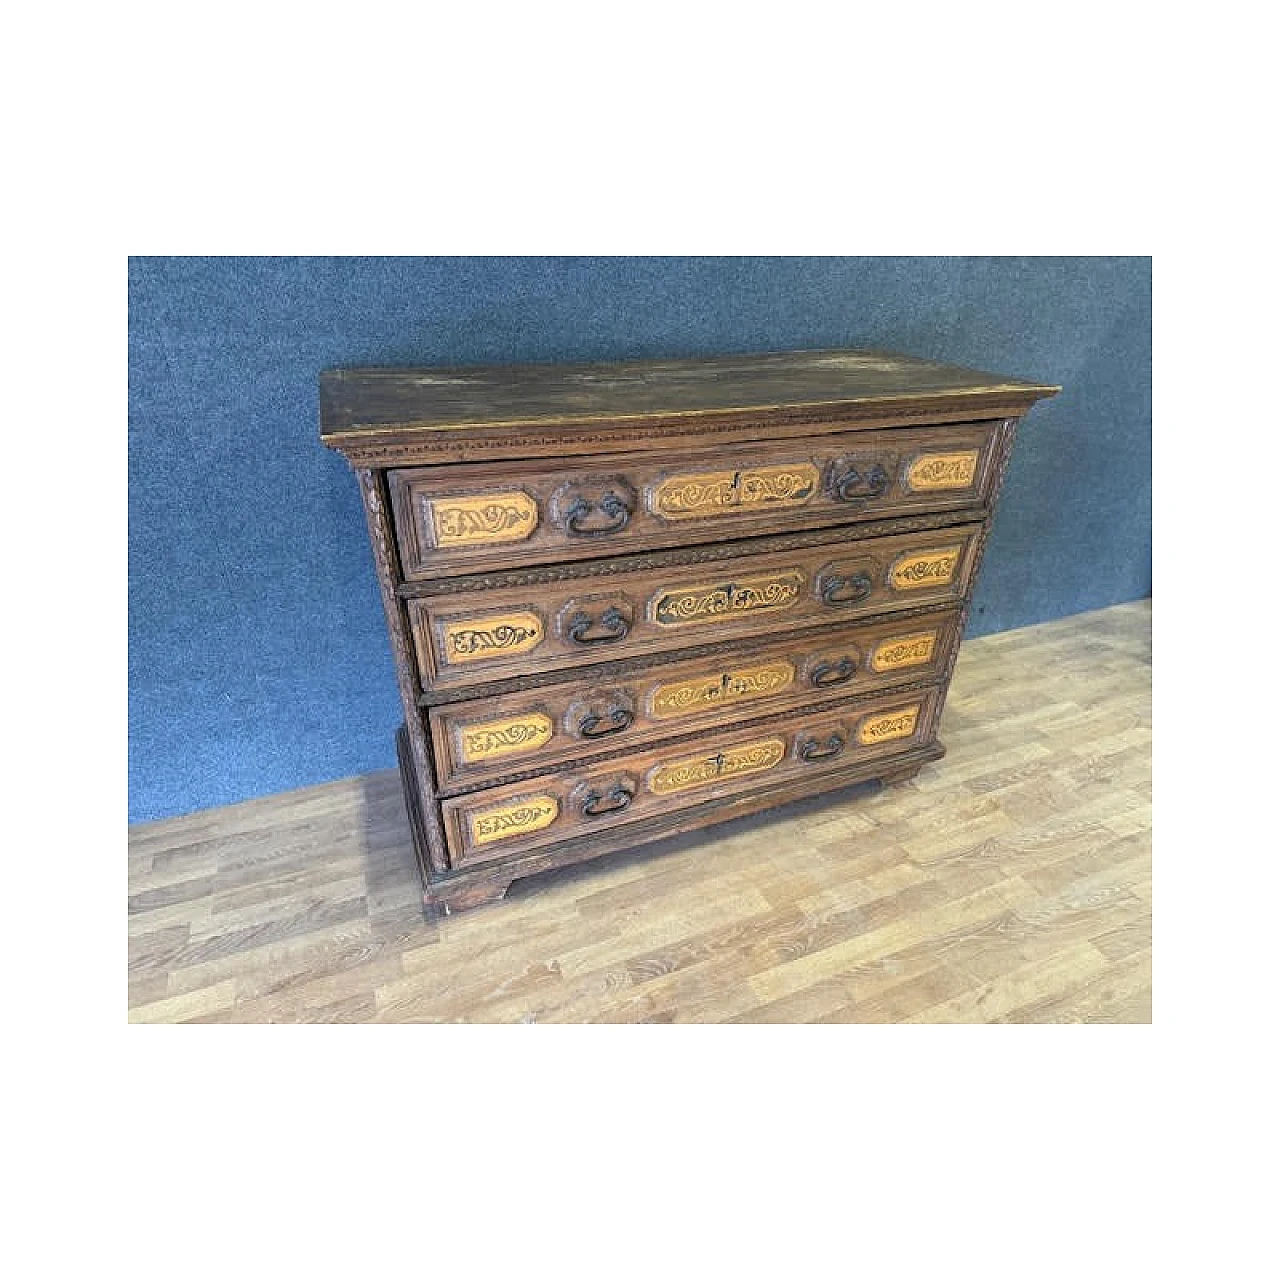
[[542, 729], [476, 637], [520, 817], [473, 517]]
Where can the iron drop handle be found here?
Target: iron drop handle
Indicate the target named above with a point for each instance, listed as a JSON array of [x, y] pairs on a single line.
[[612, 506], [617, 797], [836, 590], [844, 487], [811, 750], [827, 674], [617, 719], [613, 625]]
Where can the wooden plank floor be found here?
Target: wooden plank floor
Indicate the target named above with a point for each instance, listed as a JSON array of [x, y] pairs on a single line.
[[1008, 882]]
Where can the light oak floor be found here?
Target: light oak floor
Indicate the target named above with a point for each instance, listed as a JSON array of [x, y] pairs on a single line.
[[1008, 882]]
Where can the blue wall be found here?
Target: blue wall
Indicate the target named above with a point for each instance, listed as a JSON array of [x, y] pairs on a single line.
[[258, 659]]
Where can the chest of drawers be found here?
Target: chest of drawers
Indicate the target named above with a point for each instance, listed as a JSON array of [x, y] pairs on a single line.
[[627, 600]]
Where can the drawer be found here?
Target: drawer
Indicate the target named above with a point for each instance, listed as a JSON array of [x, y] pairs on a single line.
[[502, 821], [473, 637], [482, 740], [481, 516]]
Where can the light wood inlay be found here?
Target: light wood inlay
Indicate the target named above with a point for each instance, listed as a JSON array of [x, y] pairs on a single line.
[[491, 636], [518, 818], [904, 651], [490, 739], [933, 471], [900, 723], [720, 688], [713, 493], [1010, 882], [697, 771], [731, 599], [926, 569], [483, 520]]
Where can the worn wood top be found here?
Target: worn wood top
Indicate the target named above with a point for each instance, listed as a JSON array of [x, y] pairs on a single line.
[[354, 402]]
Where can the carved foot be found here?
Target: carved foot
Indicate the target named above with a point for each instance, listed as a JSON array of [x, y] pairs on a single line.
[[899, 775], [465, 897]]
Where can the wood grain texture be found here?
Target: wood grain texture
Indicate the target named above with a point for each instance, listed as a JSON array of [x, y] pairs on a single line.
[[1011, 884], [443, 399]]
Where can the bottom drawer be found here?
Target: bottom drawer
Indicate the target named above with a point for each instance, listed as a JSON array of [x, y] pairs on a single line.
[[503, 821]]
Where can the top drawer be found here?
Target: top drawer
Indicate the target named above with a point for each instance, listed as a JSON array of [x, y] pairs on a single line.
[[458, 519]]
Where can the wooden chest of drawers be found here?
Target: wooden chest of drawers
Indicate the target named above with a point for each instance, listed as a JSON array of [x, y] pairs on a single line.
[[632, 599]]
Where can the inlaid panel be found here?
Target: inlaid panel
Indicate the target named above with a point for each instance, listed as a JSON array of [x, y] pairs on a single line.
[[537, 730], [708, 602], [460, 519], [887, 725], [632, 786], [512, 819], [699, 769], [494, 635], [481, 520], [514, 735], [721, 688], [483, 636], [698, 496], [898, 651], [923, 570], [932, 472]]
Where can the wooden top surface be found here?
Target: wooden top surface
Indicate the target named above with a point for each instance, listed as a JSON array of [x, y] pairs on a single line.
[[357, 401]]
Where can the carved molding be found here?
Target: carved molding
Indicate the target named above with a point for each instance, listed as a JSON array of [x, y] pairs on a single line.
[[389, 448], [373, 493]]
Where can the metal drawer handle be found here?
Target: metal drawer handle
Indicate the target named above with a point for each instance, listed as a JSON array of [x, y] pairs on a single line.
[[619, 718], [618, 797], [611, 505], [844, 485], [840, 591], [826, 674], [811, 750], [612, 623]]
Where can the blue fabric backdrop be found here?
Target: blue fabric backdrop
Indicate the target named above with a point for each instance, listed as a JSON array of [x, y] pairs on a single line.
[[258, 659]]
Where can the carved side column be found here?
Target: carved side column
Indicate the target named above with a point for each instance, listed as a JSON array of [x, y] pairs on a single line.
[[373, 489]]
